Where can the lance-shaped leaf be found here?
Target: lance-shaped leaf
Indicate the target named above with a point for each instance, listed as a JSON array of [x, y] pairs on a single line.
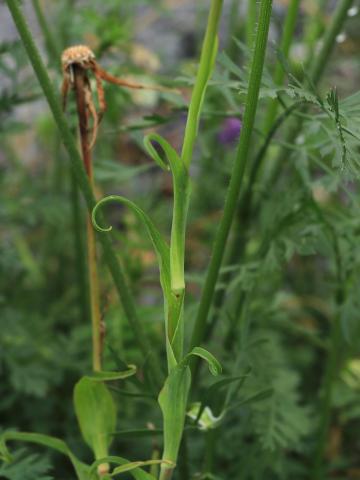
[[173, 303], [96, 415], [160, 245], [174, 307], [82, 470], [173, 400], [181, 202], [111, 376]]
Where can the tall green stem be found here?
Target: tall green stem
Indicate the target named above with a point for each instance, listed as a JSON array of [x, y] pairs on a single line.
[[316, 70], [206, 62], [79, 248], [237, 172], [80, 174], [234, 26], [318, 65], [279, 75], [314, 28], [250, 26], [51, 45], [175, 321]]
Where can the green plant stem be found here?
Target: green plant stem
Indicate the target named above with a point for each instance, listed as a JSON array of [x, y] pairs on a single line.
[[238, 242], [54, 55], [247, 199], [175, 310], [51, 44], [279, 75], [294, 128], [318, 65], [250, 26], [184, 471], [331, 370], [79, 249], [210, 444], [175, 322], [335, 354], [234, 26], [205, 65], [85, 187], [316, 70], [314, 27], [237, 173]]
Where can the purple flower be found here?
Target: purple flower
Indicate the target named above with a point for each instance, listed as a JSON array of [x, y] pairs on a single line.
[[230, 131]]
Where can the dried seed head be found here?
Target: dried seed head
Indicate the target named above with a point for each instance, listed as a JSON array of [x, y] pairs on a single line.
[[77, 55]]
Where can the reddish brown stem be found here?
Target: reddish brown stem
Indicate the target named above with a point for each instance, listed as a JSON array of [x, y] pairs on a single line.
[[81, 83]]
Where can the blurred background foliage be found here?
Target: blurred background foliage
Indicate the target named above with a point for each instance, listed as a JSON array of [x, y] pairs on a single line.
[[294, 268]]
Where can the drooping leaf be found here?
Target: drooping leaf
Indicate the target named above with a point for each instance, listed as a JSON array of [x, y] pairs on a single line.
[[172, 401], [214, 365], [160, 245]]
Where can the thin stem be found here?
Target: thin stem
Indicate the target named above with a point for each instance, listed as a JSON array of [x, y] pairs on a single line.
[[331, 370], [233, 25], [51, 45], [335, 354], [238, 242], [205, 65], [80, 82], [175, 321], [316, 70], [279, 75], [80, 260], [318, 66], [97, 340], [184, 471], [314, 28], [81, 177], [250, 26], [79, 249], [210, 440], [237, 173], [175, 310]]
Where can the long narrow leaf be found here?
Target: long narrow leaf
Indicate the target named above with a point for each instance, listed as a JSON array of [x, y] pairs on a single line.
[[160, 245], [110, 376]]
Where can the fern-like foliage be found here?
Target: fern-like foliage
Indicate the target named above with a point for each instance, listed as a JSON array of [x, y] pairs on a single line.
[[280, 421], [26, 466]]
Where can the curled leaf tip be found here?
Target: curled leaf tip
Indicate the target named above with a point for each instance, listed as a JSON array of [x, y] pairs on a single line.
[[94, 214]]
